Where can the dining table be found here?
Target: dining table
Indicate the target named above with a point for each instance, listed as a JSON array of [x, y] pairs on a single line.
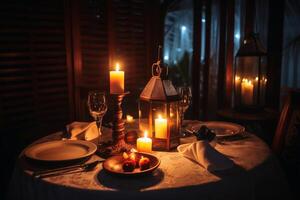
[[256, 175]]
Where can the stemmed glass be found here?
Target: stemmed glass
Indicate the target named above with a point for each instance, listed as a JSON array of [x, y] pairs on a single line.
[[185, 92], [97, 107]]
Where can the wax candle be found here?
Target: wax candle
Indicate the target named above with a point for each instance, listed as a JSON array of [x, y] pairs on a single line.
[[247, 92], [160, 127], [237, 79], [144, 144], [116, 81]]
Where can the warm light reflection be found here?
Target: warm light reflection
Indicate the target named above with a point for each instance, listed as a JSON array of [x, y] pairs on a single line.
[[125, 155], [133, 150], [132, 156]]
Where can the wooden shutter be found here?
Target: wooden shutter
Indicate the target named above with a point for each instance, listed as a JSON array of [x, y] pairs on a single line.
[[33, 74], [110, 32], [90, 43], [130, 46]]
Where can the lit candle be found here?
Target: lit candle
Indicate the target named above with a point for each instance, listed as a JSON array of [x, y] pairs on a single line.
[[144, 144], [161, 127], [116, 81], [129, 119], [247, 92]]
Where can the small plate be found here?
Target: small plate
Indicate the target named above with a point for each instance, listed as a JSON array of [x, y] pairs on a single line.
[[113, 165], [221, 129], [61, 150]]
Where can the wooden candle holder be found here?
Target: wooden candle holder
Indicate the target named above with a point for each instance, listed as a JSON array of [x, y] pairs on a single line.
[[118, 144]]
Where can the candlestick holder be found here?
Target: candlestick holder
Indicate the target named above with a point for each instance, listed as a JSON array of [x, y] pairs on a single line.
[[118, 144]]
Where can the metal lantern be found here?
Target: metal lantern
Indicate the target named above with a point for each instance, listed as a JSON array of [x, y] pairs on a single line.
[[159, 110], [250, 75]]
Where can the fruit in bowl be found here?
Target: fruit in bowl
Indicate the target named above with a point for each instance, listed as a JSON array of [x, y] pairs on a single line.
[[128, 165], [144, 163]]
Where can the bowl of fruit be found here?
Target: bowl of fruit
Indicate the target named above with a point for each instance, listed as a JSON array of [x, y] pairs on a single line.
[[131, 164]]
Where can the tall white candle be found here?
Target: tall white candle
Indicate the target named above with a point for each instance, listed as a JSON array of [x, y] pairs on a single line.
[[116, 81], [161, 127], [247, 92]]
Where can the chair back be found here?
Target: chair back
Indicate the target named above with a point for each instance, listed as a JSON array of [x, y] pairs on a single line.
[[286, 143], [289, 123]]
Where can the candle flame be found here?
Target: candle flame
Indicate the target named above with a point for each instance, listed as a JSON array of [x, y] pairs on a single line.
[[159, 116], [256, 78], [117, 67], [237, 78], [145, 134], [247, 81]]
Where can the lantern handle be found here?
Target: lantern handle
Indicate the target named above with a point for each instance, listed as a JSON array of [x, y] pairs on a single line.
[[156, 69]]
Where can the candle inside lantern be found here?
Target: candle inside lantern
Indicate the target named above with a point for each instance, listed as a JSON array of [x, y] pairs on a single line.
[[116, 81], [247, 92], [144, 144], [237, 79], [161, 127], [129, 119]]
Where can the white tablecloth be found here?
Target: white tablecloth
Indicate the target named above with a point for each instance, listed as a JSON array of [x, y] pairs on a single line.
[[256, 176]]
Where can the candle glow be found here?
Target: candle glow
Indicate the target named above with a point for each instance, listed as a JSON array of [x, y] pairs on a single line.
[[116, 80], [129, 118], [144, 144], [160, 127], [247, 91]]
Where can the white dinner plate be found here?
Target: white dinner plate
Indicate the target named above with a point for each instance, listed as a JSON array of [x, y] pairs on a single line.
[[221, 129], [61, 150]]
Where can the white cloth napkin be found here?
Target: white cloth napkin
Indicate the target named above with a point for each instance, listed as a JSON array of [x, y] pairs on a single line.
[[204, 154], [83, 131]]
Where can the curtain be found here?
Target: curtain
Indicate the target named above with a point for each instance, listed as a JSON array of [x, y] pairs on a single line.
[[290, 76]]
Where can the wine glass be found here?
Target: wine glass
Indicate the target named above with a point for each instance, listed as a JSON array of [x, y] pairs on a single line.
[[97, 107], [185, 92]]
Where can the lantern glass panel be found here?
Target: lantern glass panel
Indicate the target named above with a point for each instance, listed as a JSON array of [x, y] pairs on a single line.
[[149, 111], [250, 81], [174, 119], [144, 111]]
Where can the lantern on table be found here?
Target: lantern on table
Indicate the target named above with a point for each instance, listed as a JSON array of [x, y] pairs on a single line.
[[250, 75], [159, 110]]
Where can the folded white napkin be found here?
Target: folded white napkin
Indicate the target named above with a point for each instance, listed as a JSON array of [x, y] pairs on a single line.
[[204, 154], [83, 131]]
